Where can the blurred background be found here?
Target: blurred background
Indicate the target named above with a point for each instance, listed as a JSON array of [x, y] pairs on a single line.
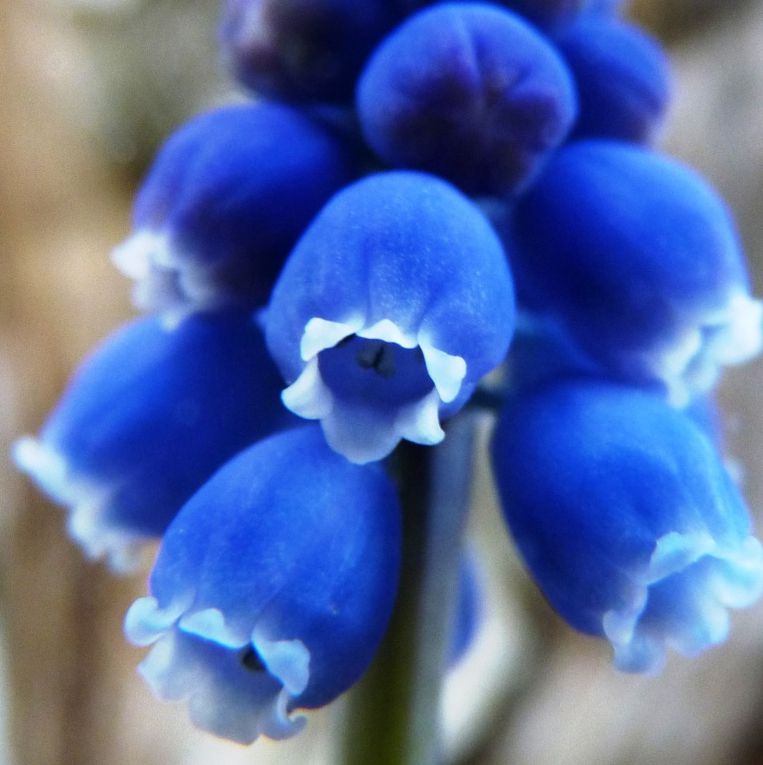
[[87, 90]]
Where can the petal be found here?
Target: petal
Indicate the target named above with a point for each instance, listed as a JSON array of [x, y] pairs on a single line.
[[125, 470], [651, 296], [461, 74], [626, 517], [289, 551], [303, 50], [210, 229], [321, 334], [423, 279], [447, 371], [622, 78]]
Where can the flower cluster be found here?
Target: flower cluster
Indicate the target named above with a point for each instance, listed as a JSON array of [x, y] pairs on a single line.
[[362, 228]]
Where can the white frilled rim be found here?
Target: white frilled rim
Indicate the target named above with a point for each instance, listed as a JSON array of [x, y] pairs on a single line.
[[197, 657], [732, 335], [711, 579], [363, 432], [88, 503], [165, 281]]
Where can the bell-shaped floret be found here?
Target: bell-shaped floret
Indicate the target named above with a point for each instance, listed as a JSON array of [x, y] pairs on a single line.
[[226, 199], [146, 420], [622, 78], [390, 309], [626, 518], [273, 587], [470, 92], [634, 259], [303, 50]]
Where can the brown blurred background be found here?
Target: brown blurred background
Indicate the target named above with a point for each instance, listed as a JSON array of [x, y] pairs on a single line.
[[87, 89]]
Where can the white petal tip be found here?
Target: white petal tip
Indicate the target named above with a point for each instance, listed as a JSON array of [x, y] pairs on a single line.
[[308, 396], [420, 422], [742, 334], [288, 660], [689, 585], [145, 622], [387, 331], [224, 696], [446, 371], [209, 624], [88, 501], [321, 334]]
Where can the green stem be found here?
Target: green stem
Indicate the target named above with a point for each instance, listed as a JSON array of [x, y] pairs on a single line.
[[393, 713]]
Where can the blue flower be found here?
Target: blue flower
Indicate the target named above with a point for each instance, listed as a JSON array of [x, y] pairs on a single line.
[[272, 588], [226, 199], [626, 518], [634, 260], [146, 420], [622, 78], [303, 50], [468, 91], [390, 309]]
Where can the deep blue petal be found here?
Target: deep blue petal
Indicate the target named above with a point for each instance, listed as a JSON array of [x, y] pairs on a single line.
[[148, 418], [613, 497], [225, 200], [402, 259], [288, 544], [303, 50], [468, 91], [547, 14], [639, 260], [622, 79]]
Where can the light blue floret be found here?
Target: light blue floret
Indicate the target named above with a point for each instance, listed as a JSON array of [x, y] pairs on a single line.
[[225, 200], [146, 420], [626, 518], [632, 259], [273, 587], [390, 309], [470, 92]]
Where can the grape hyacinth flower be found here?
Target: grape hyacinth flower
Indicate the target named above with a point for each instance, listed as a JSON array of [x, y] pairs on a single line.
[[635, 261], [622, 79], [227, 196], [626, 518], [272, 588], [470, 92], [303, 50], [392, 306], [146, 420]]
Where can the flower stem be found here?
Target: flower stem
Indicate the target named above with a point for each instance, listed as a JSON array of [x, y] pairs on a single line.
[[393, 714]]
